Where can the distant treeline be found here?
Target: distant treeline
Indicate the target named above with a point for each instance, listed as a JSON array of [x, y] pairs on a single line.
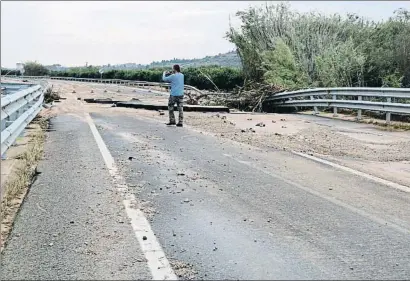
[[225, 78]]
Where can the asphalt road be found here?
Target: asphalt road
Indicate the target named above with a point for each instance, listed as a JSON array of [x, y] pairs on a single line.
[[220, 210]]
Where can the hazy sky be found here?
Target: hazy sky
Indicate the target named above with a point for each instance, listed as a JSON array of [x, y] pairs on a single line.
[[101, 32]]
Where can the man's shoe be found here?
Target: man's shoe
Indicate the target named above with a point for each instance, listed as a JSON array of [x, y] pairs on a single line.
[[180, 125], [170, 123]]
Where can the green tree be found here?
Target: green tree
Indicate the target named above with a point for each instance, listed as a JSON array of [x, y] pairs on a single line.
[[35, 69]]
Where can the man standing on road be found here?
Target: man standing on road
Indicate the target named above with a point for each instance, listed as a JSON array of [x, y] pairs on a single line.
[[176, 94]]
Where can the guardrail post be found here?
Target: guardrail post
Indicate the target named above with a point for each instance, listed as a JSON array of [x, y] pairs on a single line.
[[315, 107], [359, 112], [388, 114], [334, 108]]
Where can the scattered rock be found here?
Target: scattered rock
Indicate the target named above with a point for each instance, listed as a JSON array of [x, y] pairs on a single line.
[[73, 91], [144, 238], [330, 188], [277, 134], [284, 127], [249, 119], [260, 124], [243, 130], [113, 105], [273, 121], [71, 222], [130, 158], [252, 130], [223, 117], [161, 113], [51, 244], [282, 120], [92, 91], [215, 248], [180, 174], [78, 98], [186, 200]]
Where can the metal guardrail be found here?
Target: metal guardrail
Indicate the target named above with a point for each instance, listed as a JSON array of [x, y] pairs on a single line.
[[17, 111], [109, 81], [299, 99]]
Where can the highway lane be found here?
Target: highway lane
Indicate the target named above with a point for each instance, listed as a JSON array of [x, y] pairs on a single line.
[[220, 210], [237, 212]]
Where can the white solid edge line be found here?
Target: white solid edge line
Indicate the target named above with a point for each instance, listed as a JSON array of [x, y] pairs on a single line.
[[326, 197], [156, 259], [344, 168]]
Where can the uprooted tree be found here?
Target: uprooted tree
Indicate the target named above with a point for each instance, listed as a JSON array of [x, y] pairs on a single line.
[[281, 49]]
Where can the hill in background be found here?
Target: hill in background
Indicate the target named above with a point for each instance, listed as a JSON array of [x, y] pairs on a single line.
[[230, 59]]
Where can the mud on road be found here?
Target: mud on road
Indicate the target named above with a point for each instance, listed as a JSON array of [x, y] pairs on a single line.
[[364, 147]]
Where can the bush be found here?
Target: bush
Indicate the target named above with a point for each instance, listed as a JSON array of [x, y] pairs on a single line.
[[276, 45], [35, 69], [225, 78]]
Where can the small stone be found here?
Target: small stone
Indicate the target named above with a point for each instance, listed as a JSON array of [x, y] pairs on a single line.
[[273, 121], [284, 127], [71, 222], [161, 113], [130, 158], [181, 174], [186, 200], [282, 120], [215, 248], [277, 134], [144, 238], [330, 188], [51, 244]]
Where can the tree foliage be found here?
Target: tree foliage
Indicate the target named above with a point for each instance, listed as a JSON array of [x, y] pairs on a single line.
[[292, 50], [35, 69], [225, 78]]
